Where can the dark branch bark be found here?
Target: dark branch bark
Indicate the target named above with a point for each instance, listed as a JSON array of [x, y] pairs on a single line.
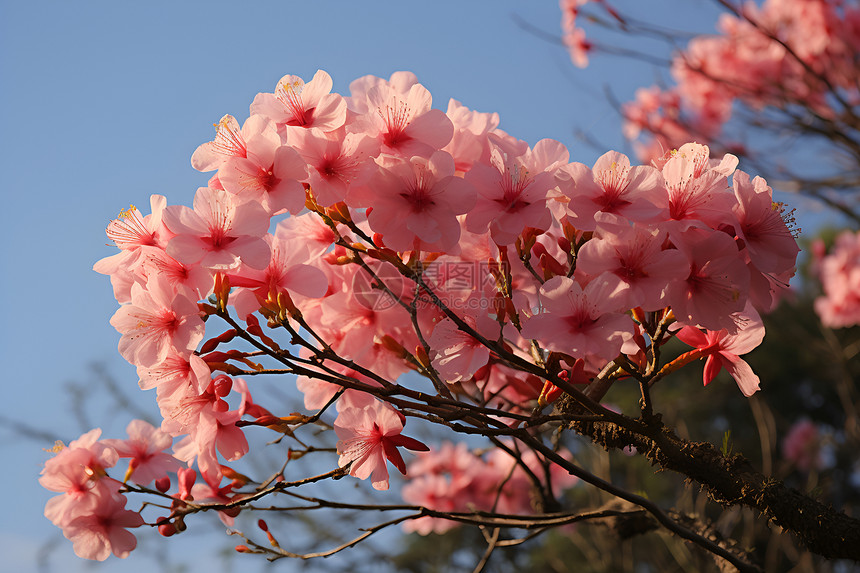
[[732, 480]]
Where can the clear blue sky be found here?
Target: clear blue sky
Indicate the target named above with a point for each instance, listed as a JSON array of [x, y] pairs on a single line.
[[103, 103]]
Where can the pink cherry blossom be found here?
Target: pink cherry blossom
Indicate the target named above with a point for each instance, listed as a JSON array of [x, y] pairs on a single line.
[[762, 225], [337, 161], [404, 123], [613, 186], [454, 479], [97, 534], [132, 233], [803, 446], [511, 196], [449, 478], [152, 261], [269, 174], [131, 230], [581, 321], [416, 203], [311, 230], [636, 256], [79, 465], [471, 130], [145, 446], [505, 388], [716, 285], [219, 233], [457, 354], [210, 491], [286, 273], [157, 320], [697, 193], [78, 473], [211, 425], [400, 82], [178, 372], [229, 142], [840, 278], [369, 433], [303, 105], [723, 350], [577, 46]]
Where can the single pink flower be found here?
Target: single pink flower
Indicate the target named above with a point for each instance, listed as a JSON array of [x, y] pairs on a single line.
[[471, 134], [416, 203], [577, 46], [219, 233], [310, 230], [404, 124], [512, 195], [723, 350], [637, 257], [697, 193], [369, 433], [210, 423], [296, 104], [718, 282], [581, 321], [177, 370], [286, 273], [157, 321], [103, 531], [229, 142], [457, 355], [763, 225], [337, 162], [270, 174], [79, 465], [803, 446], [131, 230], [145, 446], [400, 82], [613, 186]]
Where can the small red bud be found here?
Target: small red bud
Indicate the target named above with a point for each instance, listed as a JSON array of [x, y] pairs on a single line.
[[262, 525], [243, 549], [162, 484], [223, 385], [232, 511]]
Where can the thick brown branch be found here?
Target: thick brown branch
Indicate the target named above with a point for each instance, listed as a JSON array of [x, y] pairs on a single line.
[[732, 480]]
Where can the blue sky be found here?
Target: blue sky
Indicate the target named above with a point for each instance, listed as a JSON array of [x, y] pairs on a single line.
[[103, 103]]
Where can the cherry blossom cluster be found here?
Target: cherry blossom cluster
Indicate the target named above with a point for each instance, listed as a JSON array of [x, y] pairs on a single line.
[[782, 53], [455, 479], [839, 272], [91, 510], [572, 35], [385, 237]]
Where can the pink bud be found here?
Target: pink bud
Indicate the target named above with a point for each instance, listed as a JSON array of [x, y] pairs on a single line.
[[187, 477]]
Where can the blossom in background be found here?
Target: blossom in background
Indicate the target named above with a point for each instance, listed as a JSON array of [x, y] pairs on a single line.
[[806, 448], [840, 279]]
